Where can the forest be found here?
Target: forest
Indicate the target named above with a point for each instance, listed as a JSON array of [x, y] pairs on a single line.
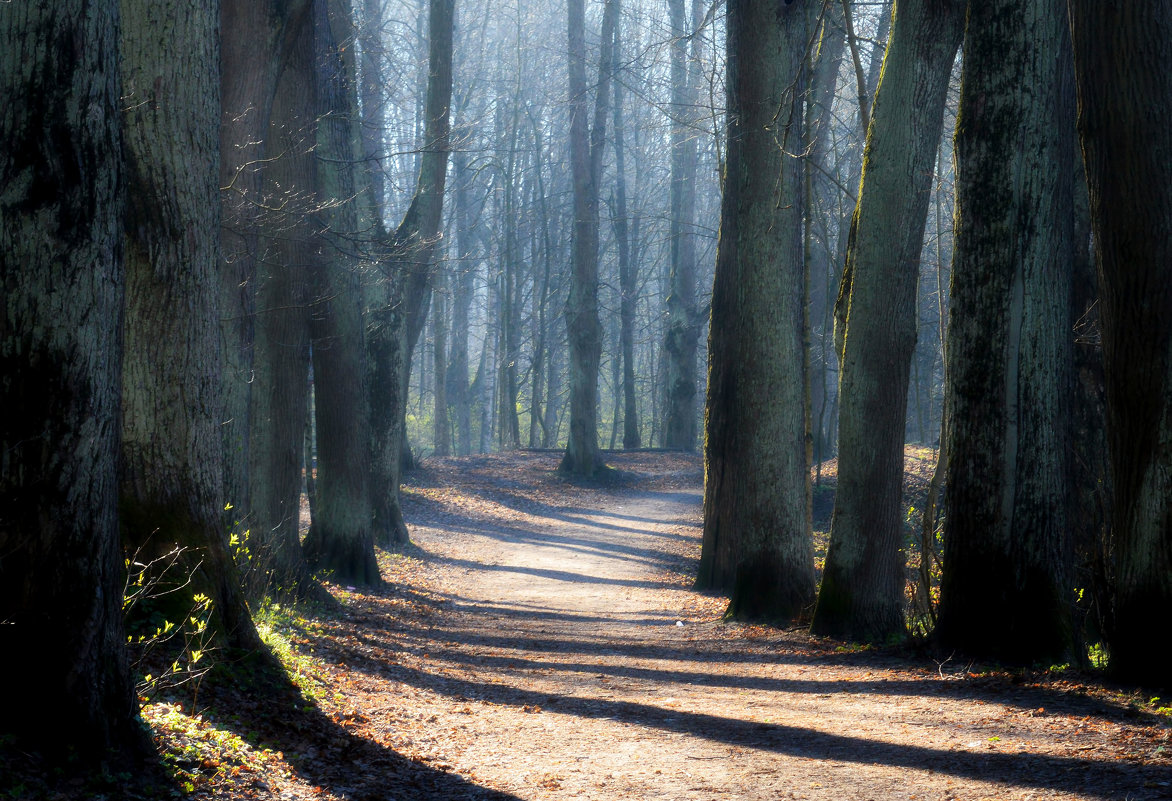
[[864, 309]]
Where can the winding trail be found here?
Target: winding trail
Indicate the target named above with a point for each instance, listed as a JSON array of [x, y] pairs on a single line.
[[558, 652]]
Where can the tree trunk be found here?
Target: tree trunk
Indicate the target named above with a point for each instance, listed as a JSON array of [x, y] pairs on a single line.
[[583, 328], [757, 541], [628, 273], [683, 321], [60, 354], [256, 38], [280, 387], [462, 287], [539, 434], [442, 437], [170, 490], [341, 539], [509, 425], [396, 302], [1005, 591], [861, 596], [372, 74], [1125, 125]]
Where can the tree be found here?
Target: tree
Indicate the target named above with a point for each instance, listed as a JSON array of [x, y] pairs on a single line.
[[395, 302], [256, 37], [861, 596], [628, 270], [60, 355], [279, 397], [583, 457], [683, 323], [1006, 590], [1124, 123], [341, 538], [756, 540], [171, 492]]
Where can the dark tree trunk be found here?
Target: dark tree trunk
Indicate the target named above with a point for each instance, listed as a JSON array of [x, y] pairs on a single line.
[[61, 579], [1125, 124], [1006, 590], [256, 37], [757, 543], [341, 539], [861, 596], [171, 492], [583, 328], [278, 419]]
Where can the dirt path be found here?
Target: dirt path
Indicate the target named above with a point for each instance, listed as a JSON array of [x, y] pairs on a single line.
[[543, 641]]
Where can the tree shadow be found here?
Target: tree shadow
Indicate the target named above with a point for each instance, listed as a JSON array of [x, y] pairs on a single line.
[[1027, 770], [266, 708]]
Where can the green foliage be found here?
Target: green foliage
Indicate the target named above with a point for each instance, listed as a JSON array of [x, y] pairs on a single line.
[[1097, 656], [284, 630], [174, 648]]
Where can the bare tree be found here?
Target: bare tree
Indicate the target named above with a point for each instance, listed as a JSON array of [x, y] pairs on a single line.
[[583, 457]]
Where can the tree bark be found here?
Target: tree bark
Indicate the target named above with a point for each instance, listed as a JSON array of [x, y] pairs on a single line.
[[462, 286], [756, 540], [861, 596], [171, 492], [1006, 591], [60, 354], [1125, 125], [442, 436]]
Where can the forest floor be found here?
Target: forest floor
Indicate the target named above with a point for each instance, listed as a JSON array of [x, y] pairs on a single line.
[[541, 640]]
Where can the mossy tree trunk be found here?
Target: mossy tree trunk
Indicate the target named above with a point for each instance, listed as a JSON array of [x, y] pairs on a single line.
[[1125, 125], [1006, 591], [62, 640], [757, 541], [861, 596]]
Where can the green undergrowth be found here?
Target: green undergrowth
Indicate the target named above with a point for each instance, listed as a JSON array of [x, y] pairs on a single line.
[[212, 745]]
